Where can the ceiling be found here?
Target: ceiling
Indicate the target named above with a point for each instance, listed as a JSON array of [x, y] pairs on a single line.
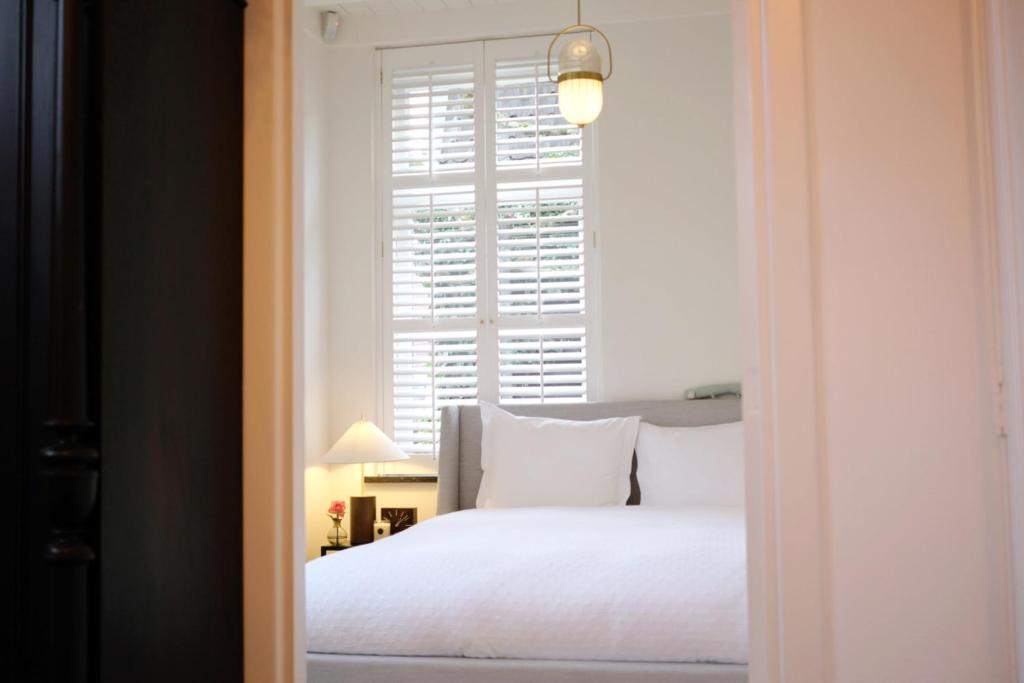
[[390, 7]]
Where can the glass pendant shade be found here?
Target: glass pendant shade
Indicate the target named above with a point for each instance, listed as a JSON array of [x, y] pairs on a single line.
[[580, 82], [579, 55]]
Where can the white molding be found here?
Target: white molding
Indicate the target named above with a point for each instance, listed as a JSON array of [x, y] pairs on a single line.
[[381, 326], [1003, 29], [788, 582]]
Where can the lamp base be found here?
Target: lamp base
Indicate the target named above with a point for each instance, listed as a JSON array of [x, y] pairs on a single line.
[[364, 513]]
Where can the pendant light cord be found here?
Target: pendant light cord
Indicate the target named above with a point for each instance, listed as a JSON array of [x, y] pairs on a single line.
[[579, 19]]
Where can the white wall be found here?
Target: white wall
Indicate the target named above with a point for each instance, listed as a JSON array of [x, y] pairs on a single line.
[[669, 300], [670, 311], [339, 87], [914, 522]]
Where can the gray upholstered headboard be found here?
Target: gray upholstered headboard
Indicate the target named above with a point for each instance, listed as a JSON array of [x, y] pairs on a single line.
[[459, 469]]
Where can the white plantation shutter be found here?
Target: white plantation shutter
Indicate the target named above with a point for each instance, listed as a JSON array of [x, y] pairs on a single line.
[[484, 194], [430, 371], [430, 194], [433, 268], [543, 366], [540, 248], [529, 129], [432, 120], [539, 241]]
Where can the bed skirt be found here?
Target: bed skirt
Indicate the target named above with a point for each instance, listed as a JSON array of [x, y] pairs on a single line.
[[324, 668]]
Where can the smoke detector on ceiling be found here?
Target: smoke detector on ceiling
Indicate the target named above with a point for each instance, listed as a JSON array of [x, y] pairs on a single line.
[[330, 22]]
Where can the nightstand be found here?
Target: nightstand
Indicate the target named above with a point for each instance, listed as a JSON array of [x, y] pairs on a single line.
[[324, 549]]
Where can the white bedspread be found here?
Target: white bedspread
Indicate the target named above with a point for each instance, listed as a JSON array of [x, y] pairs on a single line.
[[618, 583]]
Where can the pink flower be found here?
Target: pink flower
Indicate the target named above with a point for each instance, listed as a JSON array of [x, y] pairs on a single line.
[[337, 508]]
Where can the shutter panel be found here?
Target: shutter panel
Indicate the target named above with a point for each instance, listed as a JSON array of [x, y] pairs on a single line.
[[529, 129], [432, 120], [542, 366], [540, 248], [431, 370], [433, 253]]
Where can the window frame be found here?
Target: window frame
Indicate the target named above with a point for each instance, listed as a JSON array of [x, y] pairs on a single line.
[[484, 178]]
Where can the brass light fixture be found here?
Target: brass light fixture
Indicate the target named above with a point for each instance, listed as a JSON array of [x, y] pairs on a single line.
[[580, 78]]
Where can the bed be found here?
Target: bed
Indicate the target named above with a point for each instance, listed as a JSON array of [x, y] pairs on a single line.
[[627, 593]]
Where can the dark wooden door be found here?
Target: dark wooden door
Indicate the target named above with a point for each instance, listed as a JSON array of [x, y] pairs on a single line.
[[49, 234], [120, 338], [170, 498]]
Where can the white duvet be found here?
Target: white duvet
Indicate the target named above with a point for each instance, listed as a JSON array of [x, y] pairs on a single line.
[[617, 583]]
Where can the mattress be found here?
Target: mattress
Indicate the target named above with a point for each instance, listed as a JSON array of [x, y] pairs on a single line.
[[381, 669], [615, 584]]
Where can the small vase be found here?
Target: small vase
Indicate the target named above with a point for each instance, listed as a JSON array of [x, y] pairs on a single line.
[[337, 535]]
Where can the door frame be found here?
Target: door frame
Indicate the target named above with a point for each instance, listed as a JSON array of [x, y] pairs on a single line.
[[272, 479], [1002, 71], [786, 510], [787, 578]]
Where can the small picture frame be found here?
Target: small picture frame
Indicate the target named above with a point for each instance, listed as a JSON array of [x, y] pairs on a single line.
[[400, 518]]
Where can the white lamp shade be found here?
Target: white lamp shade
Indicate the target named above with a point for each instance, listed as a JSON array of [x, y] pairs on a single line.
[[580, 100], [364, 442]]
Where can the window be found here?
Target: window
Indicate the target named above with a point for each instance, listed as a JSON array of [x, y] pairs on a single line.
[[489, 275]]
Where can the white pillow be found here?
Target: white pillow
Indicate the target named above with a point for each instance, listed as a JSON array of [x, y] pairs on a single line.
[[537, 461], [679, 466]]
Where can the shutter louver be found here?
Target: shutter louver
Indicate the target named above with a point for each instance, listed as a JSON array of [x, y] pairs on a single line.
[[540, 248], [432, 120], [433, 253], [529, 128], [542, 366], [431, 370]]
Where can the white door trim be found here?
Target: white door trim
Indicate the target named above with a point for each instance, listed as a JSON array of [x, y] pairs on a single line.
[[1003, 31], [789, 624]]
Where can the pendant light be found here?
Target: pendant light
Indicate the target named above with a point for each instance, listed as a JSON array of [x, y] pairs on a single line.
[[580, 78]]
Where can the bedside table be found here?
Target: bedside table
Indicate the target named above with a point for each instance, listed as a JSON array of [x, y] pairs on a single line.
[[324, 549]]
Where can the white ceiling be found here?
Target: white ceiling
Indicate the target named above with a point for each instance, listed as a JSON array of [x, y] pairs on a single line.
[[391, 7]]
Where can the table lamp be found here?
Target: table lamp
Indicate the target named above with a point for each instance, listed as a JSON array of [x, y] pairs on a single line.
[[361, 443]]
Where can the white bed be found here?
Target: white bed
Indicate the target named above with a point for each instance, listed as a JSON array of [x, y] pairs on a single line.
[[625, 593], [611, 584]]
